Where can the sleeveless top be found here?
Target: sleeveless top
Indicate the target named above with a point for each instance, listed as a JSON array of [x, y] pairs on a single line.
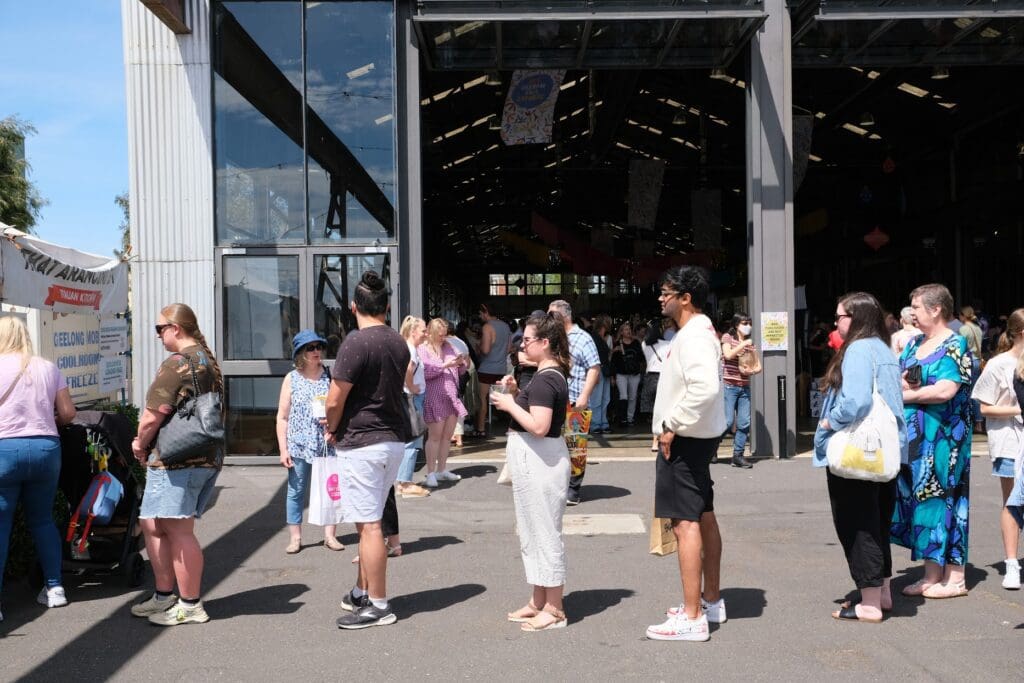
[[305, 436], [495, 362]]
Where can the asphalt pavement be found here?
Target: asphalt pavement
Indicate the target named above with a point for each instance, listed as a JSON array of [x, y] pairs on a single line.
[[783, 571]]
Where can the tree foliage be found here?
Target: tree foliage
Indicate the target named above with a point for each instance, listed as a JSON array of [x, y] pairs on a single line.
[[126, 239], [20, 203]]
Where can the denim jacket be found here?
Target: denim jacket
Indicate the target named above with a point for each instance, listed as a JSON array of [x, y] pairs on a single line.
[[864, 358]]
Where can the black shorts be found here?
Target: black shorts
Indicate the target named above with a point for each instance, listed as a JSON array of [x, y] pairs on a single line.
[[683, 488]]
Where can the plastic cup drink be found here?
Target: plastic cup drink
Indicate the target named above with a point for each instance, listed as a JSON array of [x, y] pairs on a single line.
[[318, 406]]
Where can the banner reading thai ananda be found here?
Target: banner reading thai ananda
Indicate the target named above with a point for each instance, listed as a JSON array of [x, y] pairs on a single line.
[[529, 110], [39, 274]]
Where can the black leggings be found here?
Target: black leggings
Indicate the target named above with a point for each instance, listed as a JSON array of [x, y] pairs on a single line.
[[862, 514], [389, 520]]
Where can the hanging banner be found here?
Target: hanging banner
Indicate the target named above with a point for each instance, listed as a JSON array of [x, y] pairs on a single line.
[[529, 110], [42, 275], [645, 180]]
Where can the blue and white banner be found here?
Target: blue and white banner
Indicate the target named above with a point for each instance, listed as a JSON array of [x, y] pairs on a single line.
[[529, 110]]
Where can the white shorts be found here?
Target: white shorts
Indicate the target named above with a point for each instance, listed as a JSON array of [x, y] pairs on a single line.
[[367, 474]]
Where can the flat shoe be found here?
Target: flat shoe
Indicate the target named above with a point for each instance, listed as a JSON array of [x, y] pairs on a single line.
[[560, 622], [917, 588], [294, 546], [395, 551], [333, 544], [523, 619], [850, 614], [941, 591], [846, 603]]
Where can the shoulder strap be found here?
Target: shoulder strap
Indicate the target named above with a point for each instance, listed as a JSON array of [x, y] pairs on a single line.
[[13, 384]]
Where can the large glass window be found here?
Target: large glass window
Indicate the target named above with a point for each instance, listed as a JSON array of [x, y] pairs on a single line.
[[251, 413], [350, 120], [261, 306], [336, 278], [304, 141]]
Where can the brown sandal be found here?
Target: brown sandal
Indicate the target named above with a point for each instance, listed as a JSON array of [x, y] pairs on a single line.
[[518, 618], [560, 621]]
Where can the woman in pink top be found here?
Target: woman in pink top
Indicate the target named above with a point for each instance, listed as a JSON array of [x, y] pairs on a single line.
[[442, 365], [32, 391]]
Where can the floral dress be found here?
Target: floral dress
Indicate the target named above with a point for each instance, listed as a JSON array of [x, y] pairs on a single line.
[[305, 435], [442, 395], [932, 491]]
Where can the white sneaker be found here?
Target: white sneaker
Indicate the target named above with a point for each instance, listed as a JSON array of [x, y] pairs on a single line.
[[153, 605], [715, 611], [678, 627], [52, 597], [431, 481], [448, 476], [1011, 580]]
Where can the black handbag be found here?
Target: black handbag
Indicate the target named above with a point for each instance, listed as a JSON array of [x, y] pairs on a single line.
[[196, 424]]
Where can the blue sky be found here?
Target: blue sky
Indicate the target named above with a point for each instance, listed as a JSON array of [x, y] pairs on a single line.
[[63, 72]]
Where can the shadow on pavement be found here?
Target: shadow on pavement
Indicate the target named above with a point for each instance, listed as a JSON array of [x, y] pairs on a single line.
[[744, 603], [223, 557], [267, 600], [603, 491], [435, 599], [473, 471], [582, 604], [426, 543]]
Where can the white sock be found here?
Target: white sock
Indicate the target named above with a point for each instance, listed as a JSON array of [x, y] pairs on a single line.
[[358, 592], [1012, 562], [379, 603]]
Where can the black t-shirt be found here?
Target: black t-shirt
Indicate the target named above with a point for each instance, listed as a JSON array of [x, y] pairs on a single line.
[[374, 361], [629, 361], [547, 389]]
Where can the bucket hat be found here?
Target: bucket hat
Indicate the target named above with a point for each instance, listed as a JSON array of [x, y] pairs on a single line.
[[304, 337]]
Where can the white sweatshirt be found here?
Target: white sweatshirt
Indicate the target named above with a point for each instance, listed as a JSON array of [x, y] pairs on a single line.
[[691, 397]]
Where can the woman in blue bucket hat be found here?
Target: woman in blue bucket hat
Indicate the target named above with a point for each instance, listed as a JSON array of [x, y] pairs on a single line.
[[300, 434]]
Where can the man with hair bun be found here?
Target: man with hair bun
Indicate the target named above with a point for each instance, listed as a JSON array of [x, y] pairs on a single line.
[[367, 418]]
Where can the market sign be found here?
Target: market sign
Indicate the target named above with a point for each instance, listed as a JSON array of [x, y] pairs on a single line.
[[39, 274]]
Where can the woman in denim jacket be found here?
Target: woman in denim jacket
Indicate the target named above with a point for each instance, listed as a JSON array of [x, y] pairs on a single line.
[[861, 510]]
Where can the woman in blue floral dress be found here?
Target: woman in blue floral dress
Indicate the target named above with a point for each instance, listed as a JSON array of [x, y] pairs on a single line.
[[932, 491]]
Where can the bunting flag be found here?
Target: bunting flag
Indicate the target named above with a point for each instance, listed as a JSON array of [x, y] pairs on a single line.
[[529, 112]]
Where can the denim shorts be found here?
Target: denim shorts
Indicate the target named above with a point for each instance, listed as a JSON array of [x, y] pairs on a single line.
[[1003, 467], [177, 494]]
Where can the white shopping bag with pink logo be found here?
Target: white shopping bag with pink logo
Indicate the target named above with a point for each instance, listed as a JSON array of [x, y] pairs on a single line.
[[325, 491]]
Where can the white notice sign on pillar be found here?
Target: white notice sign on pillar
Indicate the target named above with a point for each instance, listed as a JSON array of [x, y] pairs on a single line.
[[775, 331]]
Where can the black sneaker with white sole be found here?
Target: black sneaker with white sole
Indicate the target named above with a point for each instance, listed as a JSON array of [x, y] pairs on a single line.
[[351, 603], [367, 616]]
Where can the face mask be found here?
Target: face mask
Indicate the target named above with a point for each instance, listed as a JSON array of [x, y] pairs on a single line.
[[744, 330]]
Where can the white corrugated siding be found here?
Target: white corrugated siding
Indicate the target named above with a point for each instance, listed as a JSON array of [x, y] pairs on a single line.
[[170, 139]]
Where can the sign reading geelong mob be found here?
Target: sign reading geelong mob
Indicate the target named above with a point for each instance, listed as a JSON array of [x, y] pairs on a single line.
[[42, 275]]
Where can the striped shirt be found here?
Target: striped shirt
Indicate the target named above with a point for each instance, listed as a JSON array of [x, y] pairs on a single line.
[[731, 366]]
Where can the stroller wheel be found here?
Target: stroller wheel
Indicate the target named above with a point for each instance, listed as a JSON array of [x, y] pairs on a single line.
[[135, 570]]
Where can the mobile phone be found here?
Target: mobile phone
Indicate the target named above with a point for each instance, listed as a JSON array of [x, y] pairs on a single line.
[[914, 374]]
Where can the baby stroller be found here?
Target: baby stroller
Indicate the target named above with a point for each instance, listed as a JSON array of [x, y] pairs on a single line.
[[98, 442]]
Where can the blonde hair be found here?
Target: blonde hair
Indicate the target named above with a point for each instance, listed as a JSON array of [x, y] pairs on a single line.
[[409, 324], [14, 339], [434, 326], [185, 318], [968, 312]]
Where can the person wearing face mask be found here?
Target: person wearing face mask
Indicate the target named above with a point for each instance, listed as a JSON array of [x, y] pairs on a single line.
[[739, 362]]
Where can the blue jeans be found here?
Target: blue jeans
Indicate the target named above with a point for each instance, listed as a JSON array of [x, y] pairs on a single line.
[[298, 489], [737, 404], [599, 401], [29, 468], [408, 465]]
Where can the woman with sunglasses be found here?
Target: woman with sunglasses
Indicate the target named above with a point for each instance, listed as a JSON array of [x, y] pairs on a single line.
[[300, 435], [538, 461], [176, 495]]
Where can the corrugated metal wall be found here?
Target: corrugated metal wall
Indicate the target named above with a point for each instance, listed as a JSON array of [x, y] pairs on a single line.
[[170, 146]]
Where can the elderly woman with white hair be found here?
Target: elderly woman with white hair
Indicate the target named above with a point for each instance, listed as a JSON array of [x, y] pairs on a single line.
[[907, 332]]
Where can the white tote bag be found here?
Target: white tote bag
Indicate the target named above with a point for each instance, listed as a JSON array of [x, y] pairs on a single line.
[[325, 491], [868, 449]]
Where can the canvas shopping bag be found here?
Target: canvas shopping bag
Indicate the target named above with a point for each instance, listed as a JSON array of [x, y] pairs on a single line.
[[663, 541], [325, 492]]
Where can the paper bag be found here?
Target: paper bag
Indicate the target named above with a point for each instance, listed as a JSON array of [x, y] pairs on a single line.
[[325, 492], [663, 540]]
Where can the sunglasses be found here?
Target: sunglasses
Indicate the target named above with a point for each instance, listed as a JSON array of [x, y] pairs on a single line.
[[160, 328], [314, 347]]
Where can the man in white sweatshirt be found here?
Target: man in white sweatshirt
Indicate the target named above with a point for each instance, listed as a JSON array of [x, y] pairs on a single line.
[[689, 419]]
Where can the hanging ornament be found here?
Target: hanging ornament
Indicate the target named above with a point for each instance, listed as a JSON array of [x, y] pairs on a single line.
[[876, 239]]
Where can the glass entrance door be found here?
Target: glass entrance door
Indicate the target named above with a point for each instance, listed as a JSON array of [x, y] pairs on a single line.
[[266, 297]]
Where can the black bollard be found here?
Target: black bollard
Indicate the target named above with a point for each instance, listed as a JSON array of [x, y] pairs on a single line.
[[783, 450]]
